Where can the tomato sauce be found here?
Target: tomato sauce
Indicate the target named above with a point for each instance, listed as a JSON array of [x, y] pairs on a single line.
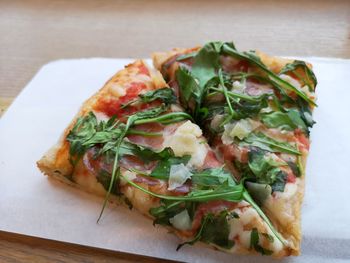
[[143, 70], [114, 106], [302, 139]]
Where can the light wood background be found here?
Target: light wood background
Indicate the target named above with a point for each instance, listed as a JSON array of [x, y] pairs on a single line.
[[35, 32]]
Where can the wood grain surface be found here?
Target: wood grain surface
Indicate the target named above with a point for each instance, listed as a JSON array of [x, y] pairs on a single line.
[[35, 32]]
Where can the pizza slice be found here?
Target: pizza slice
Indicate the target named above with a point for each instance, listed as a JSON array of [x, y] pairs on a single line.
[[256, 112], [132, 142]]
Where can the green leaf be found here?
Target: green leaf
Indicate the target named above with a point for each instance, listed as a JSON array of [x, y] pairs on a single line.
[[264, 142], [214, 230], [186, 56], [306, 113], [254, 243], [83, 130], [212, 177], [104, 178], [144, 153], [280, 182], [224, 192], [192, 84], [250, 200], [289, 120], [265, 169], [188, 86], [206, 63], [166, 95], [162, 170], [260, 192], [308, 77], [217, 231], [295, 168], [163, 213], [255, 60]]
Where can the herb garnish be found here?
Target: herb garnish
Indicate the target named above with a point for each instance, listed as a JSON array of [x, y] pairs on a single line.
[[214, 230], [254, 242], [109, 136], [166, 95]]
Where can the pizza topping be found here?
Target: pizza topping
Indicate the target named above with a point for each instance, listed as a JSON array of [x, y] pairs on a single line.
[[159, 152], [178, 175], [181, 221], [128, 174], [117, 90], [143, 69], [239, 129], [185, 141], [165, 95], [300, 70]]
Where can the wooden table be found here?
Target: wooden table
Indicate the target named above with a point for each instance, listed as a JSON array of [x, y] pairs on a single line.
[[34, 32]]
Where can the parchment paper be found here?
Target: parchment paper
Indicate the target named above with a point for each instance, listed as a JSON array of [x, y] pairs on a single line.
[[31, 204]]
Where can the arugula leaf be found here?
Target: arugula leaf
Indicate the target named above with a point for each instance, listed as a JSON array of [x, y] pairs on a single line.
[[260, 192], [163, 213], [212, 177], [224, 192], [222, 84], [188, 85], [84, 129], [205, 67], [206, 63], [217, 231], [280, 182], [166, 118], [104, 178], [167, 95], [289, 120], [264, 142], [303, 72], [186, 56], [250, 200], [265, 169], [306, 114], [255, 60], [254, 243], [162, 170], [169, 209], [214, 230], [295, 168], [144, 153]]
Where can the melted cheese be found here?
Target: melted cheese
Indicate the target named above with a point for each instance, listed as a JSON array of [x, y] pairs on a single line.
[[290, 80], [117, 90], [238, 86], [240, 230], [129, 175], [281, 203]]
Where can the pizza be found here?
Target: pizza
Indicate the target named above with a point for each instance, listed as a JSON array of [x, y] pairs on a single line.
[[147, 140], [256, 112]]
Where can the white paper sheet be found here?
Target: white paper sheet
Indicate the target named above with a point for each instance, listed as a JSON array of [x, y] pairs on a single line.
[[31, 204]]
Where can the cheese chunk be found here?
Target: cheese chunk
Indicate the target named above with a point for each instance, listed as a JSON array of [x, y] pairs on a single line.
[[187, 140], [179, 173], [181, 221]]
